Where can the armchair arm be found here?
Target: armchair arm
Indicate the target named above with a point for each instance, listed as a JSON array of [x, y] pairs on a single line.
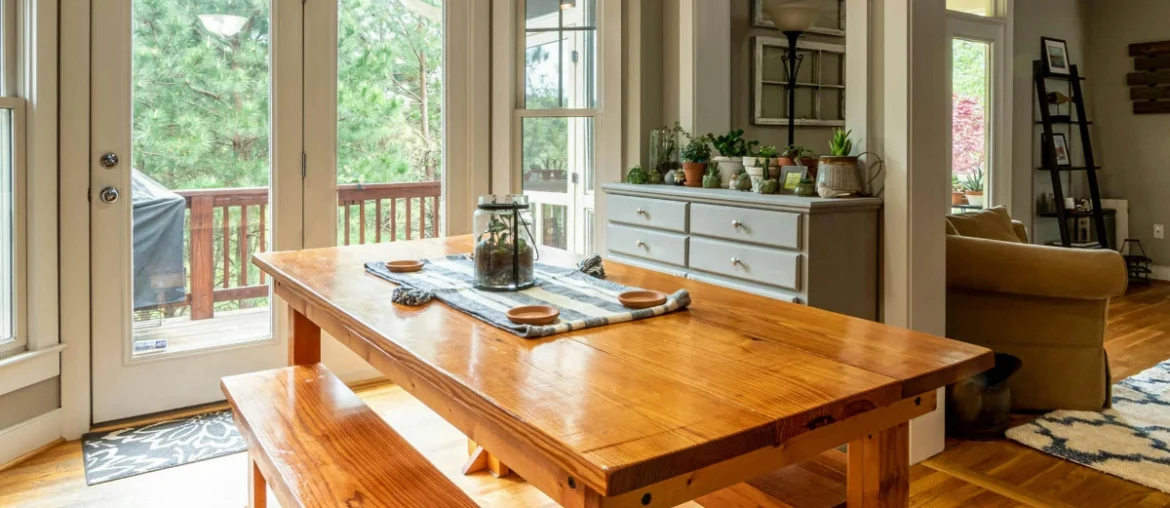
[[1034, 270]]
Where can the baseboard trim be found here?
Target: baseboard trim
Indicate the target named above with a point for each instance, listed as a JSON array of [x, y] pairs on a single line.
[[25, 439], [1160, 272]]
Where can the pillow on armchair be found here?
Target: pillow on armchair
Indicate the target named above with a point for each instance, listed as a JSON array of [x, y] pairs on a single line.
[[989, 224]]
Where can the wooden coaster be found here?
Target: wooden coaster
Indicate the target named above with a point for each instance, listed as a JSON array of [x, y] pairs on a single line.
[[404, 266], [642, 299], [533, 315]]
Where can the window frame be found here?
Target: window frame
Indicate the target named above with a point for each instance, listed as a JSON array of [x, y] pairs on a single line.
[[521, 112], [16, 302]]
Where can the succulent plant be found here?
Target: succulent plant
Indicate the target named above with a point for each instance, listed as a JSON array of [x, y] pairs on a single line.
[[797, 152], [769, 186], [973, 182], [654, 176], [841, 145], [711, 177], [743, 181], [636, 175]]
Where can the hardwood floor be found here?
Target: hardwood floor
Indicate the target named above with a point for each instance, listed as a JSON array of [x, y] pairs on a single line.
[[991, 474]]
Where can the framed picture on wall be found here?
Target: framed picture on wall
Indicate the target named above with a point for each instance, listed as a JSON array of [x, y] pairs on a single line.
[[1056, 59], [1060, 145]]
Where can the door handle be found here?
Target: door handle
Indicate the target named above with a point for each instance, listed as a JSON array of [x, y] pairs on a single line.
[[109, 195]]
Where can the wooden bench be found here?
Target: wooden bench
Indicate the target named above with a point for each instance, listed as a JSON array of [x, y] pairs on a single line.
[[316, 444]]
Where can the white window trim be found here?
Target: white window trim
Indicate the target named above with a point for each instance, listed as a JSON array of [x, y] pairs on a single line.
[[998, 32], [31, 91], [507, 99]]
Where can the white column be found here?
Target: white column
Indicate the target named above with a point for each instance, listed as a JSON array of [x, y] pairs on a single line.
[[908, 112], [696, 51]]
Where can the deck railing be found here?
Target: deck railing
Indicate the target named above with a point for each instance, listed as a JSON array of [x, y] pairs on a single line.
[[226, 226]]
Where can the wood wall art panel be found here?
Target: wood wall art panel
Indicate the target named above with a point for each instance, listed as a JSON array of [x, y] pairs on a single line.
[[1151, 72]]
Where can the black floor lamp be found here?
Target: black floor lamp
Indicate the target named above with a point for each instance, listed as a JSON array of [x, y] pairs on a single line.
[[793, 18]]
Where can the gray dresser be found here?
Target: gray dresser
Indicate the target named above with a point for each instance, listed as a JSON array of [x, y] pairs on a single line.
[[819, 252]]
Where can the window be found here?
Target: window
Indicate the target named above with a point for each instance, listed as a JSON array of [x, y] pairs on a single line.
[[820, 83], [12, 230], [985, 8], [557, 103]]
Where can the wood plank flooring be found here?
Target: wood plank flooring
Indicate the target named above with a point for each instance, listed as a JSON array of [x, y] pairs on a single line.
[[991, 474]]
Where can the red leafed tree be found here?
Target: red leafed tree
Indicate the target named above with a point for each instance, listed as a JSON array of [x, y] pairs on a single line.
[[968, 150]]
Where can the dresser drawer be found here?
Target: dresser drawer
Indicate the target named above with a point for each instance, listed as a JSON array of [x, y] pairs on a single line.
[[648, 244], [757, 264], [780, 229], [651, 213]]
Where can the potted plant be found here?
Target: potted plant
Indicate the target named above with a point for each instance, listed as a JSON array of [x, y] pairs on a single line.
[[664, 151], [742, 181], [796, 155], [680, 177], [805, 188], [653, 177], [732, 147], [769, 186], [956, 190], [712, 179], [636, 175], [755, 164], [695, 156], [839, 174], [973, 185]]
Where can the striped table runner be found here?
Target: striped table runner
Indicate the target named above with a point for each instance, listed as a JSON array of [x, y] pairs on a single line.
[[584, 301]]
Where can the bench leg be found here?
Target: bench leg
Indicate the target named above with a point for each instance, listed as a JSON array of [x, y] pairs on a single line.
[[304, 339], [257, 487], [878, 474], [479, 459]]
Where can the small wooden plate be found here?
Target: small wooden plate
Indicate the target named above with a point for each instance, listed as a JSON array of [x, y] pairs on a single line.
[[533, 315], [404, 266], [642, 299]]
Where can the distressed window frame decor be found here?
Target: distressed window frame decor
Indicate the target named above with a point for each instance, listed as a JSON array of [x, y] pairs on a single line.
[[759, 20], [817, 49]]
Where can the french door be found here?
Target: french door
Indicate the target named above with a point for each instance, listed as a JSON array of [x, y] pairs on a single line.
[[223, 128]]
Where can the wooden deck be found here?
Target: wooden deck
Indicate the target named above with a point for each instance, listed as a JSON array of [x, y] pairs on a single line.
[[225, 329]]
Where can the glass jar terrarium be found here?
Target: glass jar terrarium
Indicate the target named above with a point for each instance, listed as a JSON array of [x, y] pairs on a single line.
[[504, 246]]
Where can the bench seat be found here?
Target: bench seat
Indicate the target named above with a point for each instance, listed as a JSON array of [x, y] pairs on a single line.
[[316, 444]]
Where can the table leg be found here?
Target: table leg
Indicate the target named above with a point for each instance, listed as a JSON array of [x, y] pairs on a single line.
[[257, 487], [304, 339], [479, 459], [878, 474]]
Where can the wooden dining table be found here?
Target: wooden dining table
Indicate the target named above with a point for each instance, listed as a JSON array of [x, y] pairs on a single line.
[[653, 412]]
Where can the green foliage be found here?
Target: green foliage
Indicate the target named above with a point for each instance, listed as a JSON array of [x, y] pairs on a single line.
[[797, 152], [956, 185], [767, 152], [636, 175], [973, 181], [732, 144], [697, 149], [841, 145], [201, 99]]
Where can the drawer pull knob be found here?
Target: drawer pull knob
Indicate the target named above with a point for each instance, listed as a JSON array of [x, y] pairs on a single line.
[[641, 243], [641, 211], [736, 224], [735, 261]]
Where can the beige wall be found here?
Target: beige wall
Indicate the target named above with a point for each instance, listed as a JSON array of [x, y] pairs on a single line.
[[1132, 149], [813, 138], [1061, 19], [30, 402]]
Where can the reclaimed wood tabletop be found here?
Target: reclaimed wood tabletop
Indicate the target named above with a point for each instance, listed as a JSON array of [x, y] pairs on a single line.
[[644, 413]]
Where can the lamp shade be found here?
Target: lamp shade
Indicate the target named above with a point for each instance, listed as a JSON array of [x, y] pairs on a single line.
[[791, 16]]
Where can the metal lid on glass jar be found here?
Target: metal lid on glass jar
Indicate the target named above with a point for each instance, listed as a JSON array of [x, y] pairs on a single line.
[[504, 202]]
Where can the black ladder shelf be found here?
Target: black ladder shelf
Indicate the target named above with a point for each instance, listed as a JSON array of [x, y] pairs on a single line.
[[1048, 151]]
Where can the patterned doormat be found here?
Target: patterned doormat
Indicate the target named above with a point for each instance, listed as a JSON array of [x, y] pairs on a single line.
[[130, 452], [1130, 440]]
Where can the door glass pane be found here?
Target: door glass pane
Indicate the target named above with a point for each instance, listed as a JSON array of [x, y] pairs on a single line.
[[554, 226], [7, 232], [976, 7], [200, 177], [557, 152], [970, 133], [390, 131], [560, 54]]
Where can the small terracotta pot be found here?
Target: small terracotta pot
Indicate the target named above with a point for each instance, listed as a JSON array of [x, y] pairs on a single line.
[[956, 198], [694, 172], [811, 163]]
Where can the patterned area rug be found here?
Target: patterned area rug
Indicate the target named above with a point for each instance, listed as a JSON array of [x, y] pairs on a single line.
[[130, 452], [1130, 440]]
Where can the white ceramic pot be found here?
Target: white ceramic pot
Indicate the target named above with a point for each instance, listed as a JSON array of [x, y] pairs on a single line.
[[757, 174], [728, 168], [758, 161], [975, 199]]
